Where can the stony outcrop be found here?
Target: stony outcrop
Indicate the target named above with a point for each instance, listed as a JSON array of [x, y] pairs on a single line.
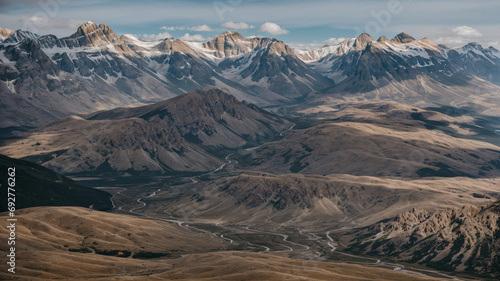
[[463, 239]]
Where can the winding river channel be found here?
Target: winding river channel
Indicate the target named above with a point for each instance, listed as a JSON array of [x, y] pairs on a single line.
[[289, 247]]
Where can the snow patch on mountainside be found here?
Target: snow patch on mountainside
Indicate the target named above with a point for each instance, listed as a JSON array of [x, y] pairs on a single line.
[[5, 59]]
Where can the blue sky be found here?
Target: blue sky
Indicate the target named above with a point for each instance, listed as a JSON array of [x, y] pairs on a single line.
[[303, 24]]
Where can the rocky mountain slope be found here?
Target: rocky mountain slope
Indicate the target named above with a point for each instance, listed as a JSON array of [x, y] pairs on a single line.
[[185, 133], [39, 186], [465, 239], [267, 64], [34, 90]]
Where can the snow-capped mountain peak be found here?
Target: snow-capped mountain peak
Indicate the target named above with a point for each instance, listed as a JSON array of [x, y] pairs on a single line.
[[20, 35], [4, 33]]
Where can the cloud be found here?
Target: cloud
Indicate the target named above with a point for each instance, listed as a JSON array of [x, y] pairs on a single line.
[[237, 25], [196, 37], [334, 41], [461, 35], [200, 28], [272, 28], [169, 28], [156, 37], [466, 31]]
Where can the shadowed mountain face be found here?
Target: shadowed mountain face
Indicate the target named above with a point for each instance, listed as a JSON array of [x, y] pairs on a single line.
[[44, 78], [39, 186], [180, 134]]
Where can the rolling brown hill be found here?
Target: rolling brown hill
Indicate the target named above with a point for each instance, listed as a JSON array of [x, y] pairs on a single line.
[[379, 139], [79, 244]]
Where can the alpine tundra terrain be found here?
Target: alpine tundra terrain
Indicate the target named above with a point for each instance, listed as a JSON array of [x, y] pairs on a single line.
[[245, 159]]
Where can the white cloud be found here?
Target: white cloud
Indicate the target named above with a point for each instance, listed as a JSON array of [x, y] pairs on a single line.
[[334, 41], [237, 25], [466, 31], [196, 37], [156, 37], [459, 36], [272, 28], [170, 28], [200, 28]]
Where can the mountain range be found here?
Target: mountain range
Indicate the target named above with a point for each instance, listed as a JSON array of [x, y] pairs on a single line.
[[44, 78]]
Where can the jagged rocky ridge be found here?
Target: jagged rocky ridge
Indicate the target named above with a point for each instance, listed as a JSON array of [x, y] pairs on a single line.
[[463, 239]]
